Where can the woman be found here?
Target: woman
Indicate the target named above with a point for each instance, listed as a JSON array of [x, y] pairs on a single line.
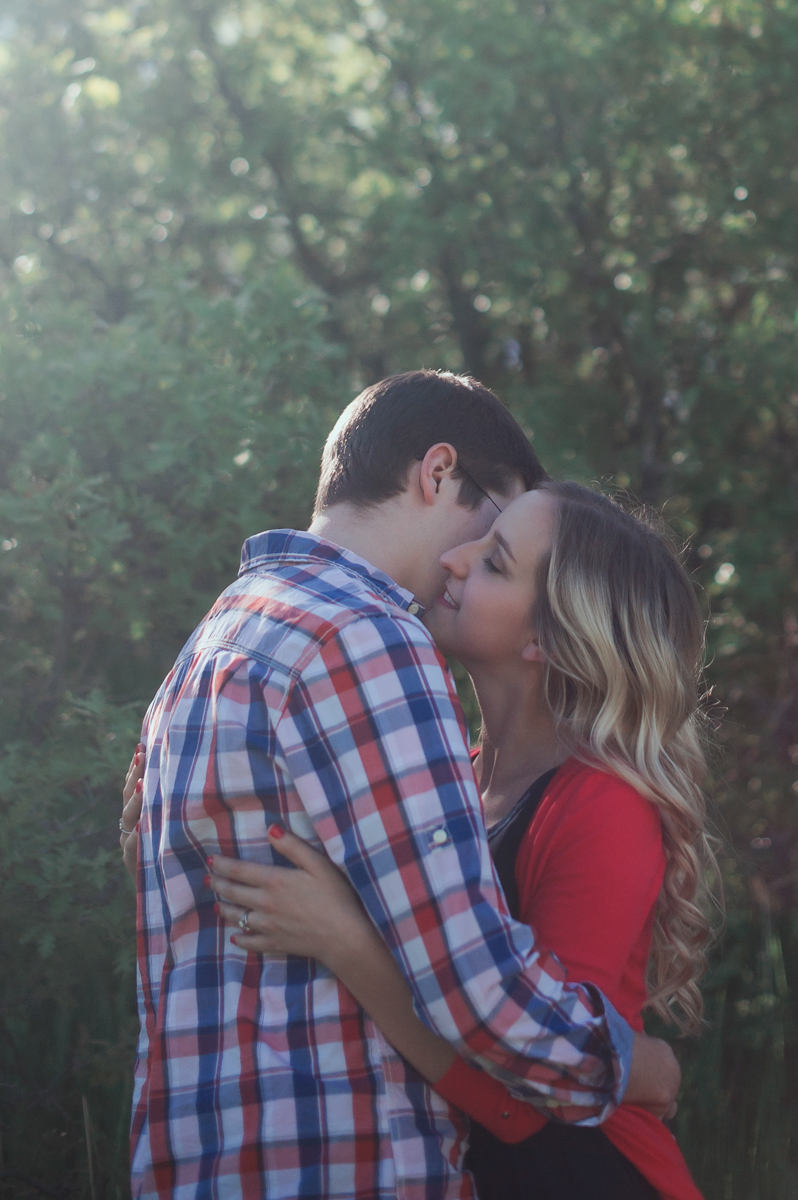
[[583, 639]]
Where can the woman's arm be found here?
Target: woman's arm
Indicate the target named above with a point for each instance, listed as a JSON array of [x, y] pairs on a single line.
[[317, 914]]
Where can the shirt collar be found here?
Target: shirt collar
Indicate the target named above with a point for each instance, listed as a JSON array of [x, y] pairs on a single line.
[[281, 545]]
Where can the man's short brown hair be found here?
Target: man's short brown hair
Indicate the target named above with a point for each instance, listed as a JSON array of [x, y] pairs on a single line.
[[393, 424]]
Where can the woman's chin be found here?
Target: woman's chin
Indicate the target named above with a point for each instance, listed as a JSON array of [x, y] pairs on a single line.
[[452, 646], [440, 634]]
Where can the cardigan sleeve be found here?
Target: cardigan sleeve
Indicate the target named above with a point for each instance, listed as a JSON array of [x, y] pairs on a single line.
[[484, 1099]]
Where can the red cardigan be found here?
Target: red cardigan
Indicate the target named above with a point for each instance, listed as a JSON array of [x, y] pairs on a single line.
[[589, 871]]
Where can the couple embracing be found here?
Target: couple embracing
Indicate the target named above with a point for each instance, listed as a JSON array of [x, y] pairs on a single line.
[[458, 961]]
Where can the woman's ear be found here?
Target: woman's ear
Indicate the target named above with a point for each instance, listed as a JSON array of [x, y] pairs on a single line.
[[532, 651]]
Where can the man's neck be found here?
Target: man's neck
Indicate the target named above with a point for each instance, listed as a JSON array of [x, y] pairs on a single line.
[[371, 533]]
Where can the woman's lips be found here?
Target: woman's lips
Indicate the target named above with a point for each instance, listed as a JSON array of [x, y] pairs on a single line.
[[448, 601]]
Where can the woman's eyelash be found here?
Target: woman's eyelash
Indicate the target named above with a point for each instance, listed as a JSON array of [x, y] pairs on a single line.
[[490, 564]]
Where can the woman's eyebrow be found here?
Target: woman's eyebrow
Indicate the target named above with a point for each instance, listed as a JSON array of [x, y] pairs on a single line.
[[503, 543]]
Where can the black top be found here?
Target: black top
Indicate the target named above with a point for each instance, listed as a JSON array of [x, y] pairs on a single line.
[[506, 852]]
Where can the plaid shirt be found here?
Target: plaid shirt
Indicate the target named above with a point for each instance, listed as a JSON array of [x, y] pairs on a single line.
[[312, 695]]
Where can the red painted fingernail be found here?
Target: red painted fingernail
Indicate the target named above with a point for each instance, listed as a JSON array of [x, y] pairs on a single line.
[[140, 786], [138, 826], [233, 940], [216, 908], [207, 881], [210, 860], [276, 831]]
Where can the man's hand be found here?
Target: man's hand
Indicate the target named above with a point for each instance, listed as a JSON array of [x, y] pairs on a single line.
[[654, 1078], [131, 810]]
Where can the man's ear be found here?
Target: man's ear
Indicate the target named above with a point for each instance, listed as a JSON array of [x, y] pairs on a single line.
[[437, 467], [532, 651]]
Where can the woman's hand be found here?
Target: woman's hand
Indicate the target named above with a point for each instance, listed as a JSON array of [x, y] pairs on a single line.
[[312, 912], [315, 913], [131, 810]]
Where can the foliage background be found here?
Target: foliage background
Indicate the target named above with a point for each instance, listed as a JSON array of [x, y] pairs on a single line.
[[218, 221]]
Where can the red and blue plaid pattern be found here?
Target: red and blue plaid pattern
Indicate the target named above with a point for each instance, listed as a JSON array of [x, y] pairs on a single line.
[[310, 695]]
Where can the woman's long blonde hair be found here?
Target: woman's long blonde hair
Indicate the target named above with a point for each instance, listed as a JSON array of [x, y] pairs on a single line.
[[622, 632]]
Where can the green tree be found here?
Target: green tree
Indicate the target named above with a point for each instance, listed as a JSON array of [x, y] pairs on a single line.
[[221, 220]]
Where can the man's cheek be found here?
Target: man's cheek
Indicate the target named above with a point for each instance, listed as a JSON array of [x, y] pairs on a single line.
[[479, 527]]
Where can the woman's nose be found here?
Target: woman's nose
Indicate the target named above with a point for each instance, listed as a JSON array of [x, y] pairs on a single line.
[[456, 561]]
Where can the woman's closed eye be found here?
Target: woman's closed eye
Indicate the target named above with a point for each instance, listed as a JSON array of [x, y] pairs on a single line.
[[491, 566]]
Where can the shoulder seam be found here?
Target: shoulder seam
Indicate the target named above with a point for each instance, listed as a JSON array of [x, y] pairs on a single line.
[[317, 646]]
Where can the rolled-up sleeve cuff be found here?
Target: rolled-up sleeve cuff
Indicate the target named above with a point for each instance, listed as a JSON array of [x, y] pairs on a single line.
[[622, 1039]]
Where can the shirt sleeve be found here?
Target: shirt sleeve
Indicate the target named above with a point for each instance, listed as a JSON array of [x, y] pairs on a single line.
[[372, 739]]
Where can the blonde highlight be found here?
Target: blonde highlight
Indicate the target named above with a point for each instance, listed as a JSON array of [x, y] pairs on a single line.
[[622, 633]]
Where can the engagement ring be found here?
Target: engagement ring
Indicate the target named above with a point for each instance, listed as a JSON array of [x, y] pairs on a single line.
[[243, 923]]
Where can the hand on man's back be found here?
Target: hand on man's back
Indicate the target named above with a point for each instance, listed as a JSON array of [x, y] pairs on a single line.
[[131, 811]]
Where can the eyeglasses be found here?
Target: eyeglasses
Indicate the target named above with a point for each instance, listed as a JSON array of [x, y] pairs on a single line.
[[479, 487]]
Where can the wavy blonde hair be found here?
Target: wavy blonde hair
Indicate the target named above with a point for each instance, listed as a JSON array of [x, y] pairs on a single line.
[[622, 632]]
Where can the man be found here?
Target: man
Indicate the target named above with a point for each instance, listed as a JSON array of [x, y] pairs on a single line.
[[311, 694]]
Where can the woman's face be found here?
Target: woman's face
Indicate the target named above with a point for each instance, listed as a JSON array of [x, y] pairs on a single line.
[[483, 617]]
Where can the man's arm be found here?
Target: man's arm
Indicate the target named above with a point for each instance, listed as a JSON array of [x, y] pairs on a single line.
[[371, 737], [654, 1077], [315, 913]]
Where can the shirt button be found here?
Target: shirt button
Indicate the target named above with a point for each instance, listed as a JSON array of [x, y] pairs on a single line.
[[440, 836], [413, 608]]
